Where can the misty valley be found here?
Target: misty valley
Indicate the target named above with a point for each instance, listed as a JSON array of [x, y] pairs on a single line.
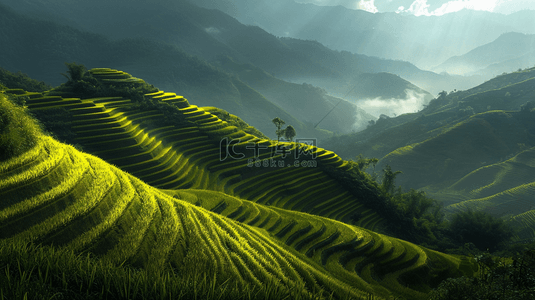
[[284, 149]]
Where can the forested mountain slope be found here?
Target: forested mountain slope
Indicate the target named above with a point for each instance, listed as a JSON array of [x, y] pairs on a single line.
[[465, 145], [47, 45], [211, 34]]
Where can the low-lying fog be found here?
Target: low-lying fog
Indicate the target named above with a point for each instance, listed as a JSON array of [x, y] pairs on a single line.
[[413, 102]]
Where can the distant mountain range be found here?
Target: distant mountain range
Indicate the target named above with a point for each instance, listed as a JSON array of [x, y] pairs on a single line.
[[39, 48], [211, 34], [283, 65], [424, 41], [510, 51]]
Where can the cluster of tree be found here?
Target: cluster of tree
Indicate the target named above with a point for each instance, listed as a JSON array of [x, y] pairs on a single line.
[[288, 132], [18, 131], [21, 81], [497, 279], [314, 89], [81, 83], [480, 228]]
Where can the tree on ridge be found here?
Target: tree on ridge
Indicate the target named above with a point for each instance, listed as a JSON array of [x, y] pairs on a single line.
[[279, 122], [289, 133]]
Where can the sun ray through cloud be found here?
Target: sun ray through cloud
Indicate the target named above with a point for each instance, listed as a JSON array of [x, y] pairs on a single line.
[[422, 7]]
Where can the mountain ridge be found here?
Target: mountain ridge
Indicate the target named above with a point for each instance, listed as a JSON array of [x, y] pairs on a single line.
[[508, 48], [411, 32], [200, 32]]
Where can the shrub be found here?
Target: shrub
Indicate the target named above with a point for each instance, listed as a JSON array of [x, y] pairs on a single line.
[[467, 111], [480, 228], [497, 279], [18, 131], [21, 81], [411, 216], [56, 122], [84, 85]]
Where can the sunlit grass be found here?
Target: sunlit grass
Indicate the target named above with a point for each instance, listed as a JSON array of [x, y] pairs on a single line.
[[398, 256], [9, 166], [120, 204], [70, 177], [233, 250], [264, 251], [31, 272]]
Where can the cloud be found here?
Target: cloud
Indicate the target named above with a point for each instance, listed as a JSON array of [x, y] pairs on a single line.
[[413, 102], [429, 7], [367, 5], [421, 7]]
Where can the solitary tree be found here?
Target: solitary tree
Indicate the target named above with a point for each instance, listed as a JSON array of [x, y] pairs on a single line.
[[289, 133], [278, 122]]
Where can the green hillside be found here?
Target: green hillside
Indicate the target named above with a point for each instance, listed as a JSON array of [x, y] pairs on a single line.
[[174, 145], [55, 195], [456, 151], [506, 92], [468, 149]]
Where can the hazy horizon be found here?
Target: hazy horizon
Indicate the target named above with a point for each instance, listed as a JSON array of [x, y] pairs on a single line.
[[429, 7]]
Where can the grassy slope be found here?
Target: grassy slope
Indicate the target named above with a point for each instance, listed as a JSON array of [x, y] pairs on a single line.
[[458, 150], [62, 197], [188, 152], [457, 157]]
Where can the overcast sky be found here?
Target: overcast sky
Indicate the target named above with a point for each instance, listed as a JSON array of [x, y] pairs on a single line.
[[430, 7]]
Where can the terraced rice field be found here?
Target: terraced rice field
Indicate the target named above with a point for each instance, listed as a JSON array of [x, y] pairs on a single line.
[[204, 152], [510, 202], [526, 223], [505, 189], [495, 178], [56, 195], [375, 261]]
